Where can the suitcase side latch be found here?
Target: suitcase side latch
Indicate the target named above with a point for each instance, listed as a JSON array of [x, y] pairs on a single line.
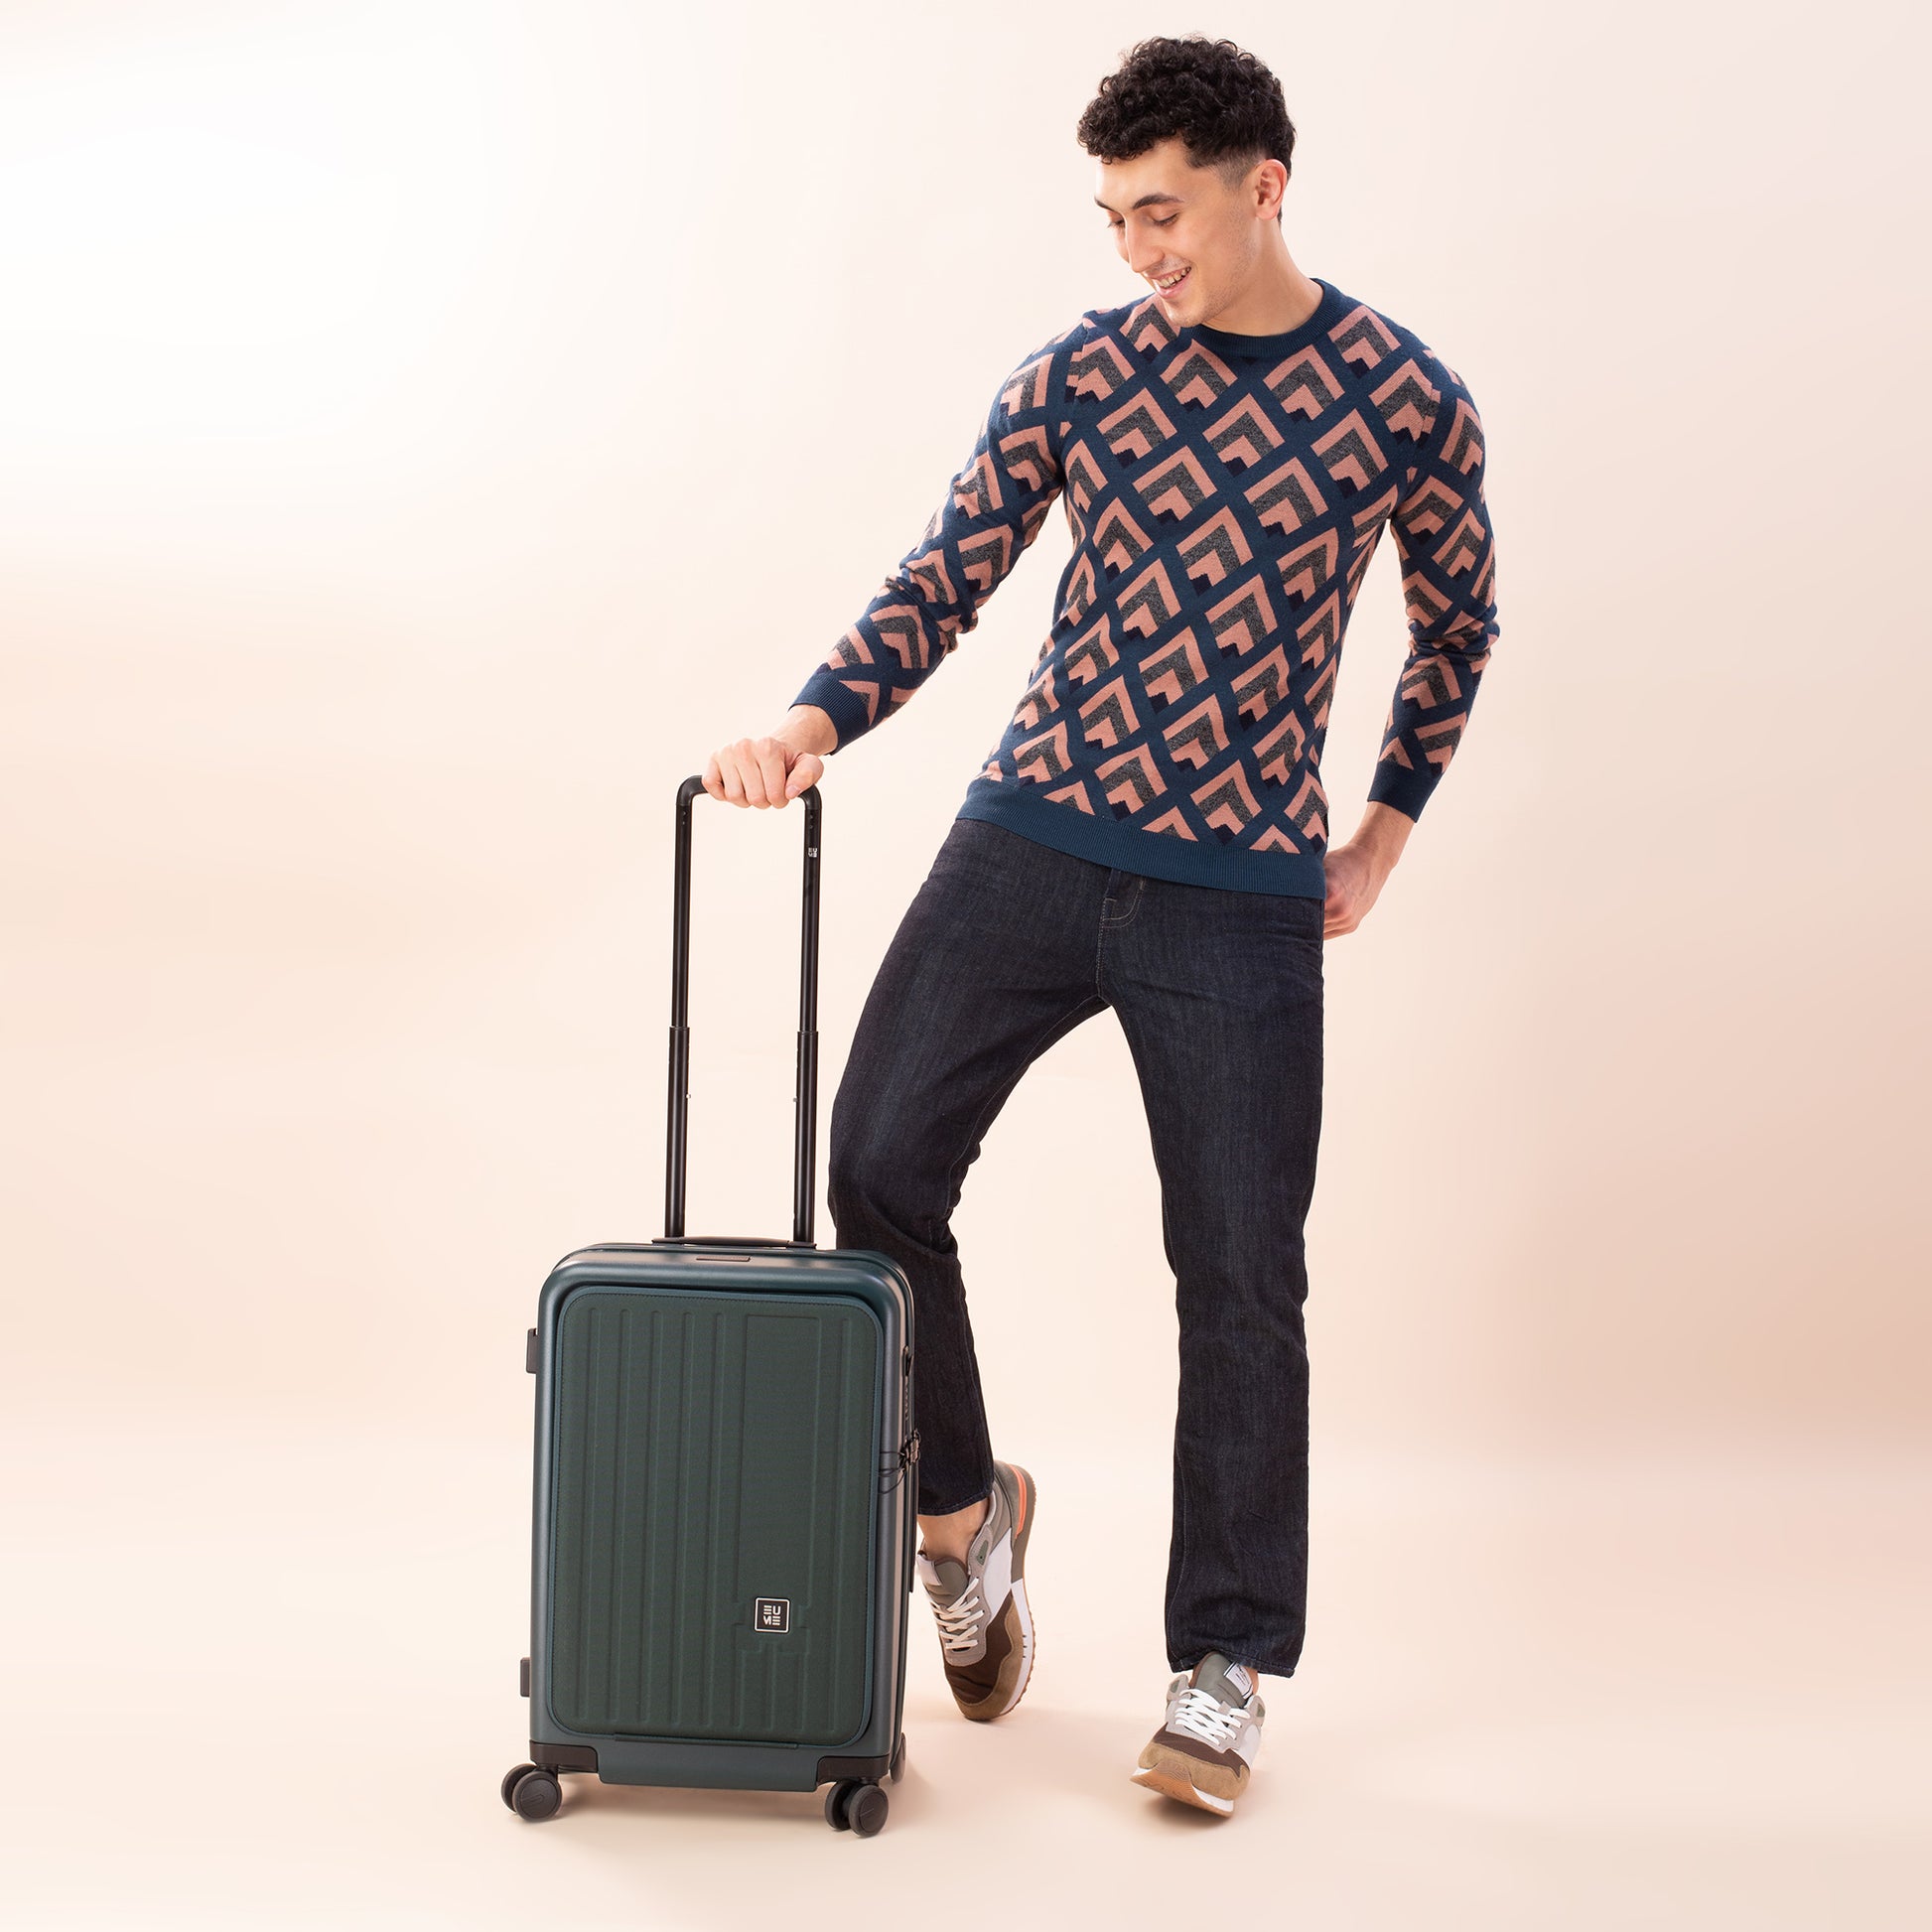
[[908, 1453]]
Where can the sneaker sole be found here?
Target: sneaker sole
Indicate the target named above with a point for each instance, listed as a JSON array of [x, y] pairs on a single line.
[[1171, 1782]]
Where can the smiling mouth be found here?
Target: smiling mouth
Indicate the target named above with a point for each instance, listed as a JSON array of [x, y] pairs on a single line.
[[1175, 286]]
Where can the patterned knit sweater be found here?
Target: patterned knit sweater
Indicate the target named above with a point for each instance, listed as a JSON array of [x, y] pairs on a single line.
[[1225, 494]]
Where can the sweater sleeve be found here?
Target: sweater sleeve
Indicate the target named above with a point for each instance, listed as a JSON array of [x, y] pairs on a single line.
[[1448, 587], [991, 512]]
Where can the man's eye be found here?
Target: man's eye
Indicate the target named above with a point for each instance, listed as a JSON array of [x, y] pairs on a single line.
[[1168, 222]]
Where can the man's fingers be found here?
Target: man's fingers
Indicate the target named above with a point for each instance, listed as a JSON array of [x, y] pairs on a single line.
[[744, 767], [755, 772], [771, 764], [755, 760]]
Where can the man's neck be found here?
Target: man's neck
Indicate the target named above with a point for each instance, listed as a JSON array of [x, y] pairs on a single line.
[[1277, 298]]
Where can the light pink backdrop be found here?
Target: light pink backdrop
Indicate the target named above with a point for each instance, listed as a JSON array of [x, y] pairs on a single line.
[[426, 431]]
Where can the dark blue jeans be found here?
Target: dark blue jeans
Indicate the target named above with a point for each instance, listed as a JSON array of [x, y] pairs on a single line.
[[1007, 946]]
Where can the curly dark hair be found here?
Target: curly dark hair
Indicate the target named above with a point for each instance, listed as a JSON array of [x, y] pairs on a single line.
[[1225, 105]]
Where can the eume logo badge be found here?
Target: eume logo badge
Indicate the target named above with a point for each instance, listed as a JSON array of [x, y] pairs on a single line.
[[772, 1613]]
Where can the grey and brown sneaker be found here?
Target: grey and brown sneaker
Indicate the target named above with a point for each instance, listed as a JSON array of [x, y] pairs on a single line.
[[1204, 1751], [986, 1629]]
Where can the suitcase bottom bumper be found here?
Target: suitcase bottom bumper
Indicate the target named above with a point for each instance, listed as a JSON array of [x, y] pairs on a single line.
[[855, 1803], [713, 1767]]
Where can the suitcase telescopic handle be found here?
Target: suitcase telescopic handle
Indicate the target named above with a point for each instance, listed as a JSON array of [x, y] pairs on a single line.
[[805, 1083]]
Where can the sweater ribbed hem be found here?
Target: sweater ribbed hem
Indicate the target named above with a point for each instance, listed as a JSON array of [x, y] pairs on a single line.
[[1157, 855]]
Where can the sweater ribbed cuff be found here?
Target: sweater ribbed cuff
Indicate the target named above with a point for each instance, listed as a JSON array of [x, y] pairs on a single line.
[[839, 701], [1402, 786]]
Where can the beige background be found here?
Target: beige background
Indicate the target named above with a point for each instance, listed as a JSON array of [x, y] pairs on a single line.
[[426, 431]]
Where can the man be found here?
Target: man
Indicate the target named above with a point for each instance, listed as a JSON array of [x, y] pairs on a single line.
[[1150, 834]]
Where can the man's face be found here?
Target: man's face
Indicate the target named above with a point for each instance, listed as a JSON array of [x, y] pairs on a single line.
[[1171, 219]]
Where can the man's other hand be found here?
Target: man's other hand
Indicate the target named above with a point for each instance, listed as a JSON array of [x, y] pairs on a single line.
[[1355, 870]]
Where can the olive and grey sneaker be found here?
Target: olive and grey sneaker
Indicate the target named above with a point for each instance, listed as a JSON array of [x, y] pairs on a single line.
[[1204, 1751], [986, 1630]]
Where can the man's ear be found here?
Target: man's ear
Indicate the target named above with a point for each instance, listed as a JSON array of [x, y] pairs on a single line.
[[1271, 184]]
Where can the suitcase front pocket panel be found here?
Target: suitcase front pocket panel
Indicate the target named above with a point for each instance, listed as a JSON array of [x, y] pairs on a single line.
[[716, 1471]]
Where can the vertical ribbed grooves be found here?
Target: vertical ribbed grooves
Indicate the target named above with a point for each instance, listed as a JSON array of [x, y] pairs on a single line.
[[713, 1449]]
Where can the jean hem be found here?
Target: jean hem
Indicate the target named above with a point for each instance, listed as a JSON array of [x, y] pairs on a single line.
[[985, 1495], [1234, 1656]]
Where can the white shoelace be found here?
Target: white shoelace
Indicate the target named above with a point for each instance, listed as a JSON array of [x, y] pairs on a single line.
[[959, 1620], [1201, 1714]]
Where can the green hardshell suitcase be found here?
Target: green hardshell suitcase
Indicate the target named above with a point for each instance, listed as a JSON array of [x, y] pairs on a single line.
[[724, 1511]]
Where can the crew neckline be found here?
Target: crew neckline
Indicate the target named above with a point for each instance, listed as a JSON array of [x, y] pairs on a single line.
[[1229, 342]]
